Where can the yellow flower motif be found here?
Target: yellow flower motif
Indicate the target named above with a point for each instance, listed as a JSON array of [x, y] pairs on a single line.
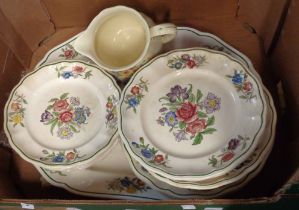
[[131, 189], [17, 118]]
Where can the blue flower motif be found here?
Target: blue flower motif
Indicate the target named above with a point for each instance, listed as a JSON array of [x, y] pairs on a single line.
[[238, 79], [135, 144], [147, 153], [125, 182], [67, 74], [170, 119], [80, 117], [133, 101], [58, 159], [178, 65]]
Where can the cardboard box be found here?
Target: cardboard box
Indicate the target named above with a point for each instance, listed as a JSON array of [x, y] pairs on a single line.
[[266, 31]]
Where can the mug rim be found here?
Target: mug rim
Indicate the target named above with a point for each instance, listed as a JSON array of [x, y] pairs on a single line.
[[112, 10]]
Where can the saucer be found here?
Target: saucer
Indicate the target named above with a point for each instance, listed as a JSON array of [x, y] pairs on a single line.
[[62, 114], [209, 110]]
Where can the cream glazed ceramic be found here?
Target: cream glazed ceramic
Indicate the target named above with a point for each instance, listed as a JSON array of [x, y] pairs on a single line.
[[120, 39], [110, 176], [62, 114], [206, 128], [186, 37], [256, 158]]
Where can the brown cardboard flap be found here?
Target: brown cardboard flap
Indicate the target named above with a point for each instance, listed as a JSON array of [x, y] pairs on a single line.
[[24, 24], [285, 61], [81, 12], [263, 16]]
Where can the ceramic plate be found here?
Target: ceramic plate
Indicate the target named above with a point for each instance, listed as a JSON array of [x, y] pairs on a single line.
[[108, 177], [62, 114], [208, 108], [186, 37], [176, 192], [259, 155]]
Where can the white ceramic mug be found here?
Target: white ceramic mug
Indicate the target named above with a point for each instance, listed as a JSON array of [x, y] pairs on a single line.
[[120, 39]]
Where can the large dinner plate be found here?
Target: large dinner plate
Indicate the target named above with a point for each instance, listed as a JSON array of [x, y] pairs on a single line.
[[192, 114]]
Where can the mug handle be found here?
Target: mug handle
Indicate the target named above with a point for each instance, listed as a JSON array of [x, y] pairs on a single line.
[[164, 32]]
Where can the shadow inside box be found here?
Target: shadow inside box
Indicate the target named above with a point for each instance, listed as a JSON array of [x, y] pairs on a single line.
[[280, 166]]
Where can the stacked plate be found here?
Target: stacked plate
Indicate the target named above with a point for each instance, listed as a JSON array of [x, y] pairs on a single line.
[[191, 123], [193, 117]]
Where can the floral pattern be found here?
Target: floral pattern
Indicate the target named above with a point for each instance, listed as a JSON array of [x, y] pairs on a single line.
[[68, 52], [128, 185], [111, 112], [240, 81], [187, 115], [134, 98], [228, 153], [17, 110], [61, 157], [150, 153], [66, 114], [186, 61], [75, 72]]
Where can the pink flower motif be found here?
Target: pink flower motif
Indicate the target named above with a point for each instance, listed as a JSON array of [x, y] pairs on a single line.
[[60, 105], [68, 53], [247, 87], [66, 116], [15, 107], [191, 64], [78, 69], [135, 90], [196, 126]]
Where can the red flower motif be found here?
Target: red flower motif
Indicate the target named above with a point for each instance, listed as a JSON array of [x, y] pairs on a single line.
[[70, 156], [159, 158], [247, 87], [78, 69], [109, 105], [191, 64], [135, 90], [187, 112], [196, 126], [68, 53], [66, 116], [227, 156], [60, 105]]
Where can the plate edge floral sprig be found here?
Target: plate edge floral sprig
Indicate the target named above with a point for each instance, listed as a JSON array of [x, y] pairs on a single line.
[[185, 60], [228, 152], [17, 110], [130, 185], [59, 157], [134, 98], [75, 72], [151, 153], [241, 83]]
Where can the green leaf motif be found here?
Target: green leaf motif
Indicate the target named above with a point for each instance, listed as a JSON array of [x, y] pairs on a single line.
[[191, 98], [201, 114], [209, 131], [63, 96], [141, 139], [211, 121], [198, 138], [198, 96], [54, 99], [74, 129], [182, 125], [53, 125]]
